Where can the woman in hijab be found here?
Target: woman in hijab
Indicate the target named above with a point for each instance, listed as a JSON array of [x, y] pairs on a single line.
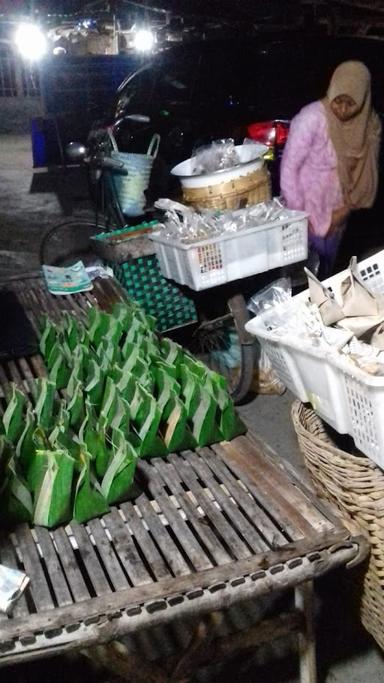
[[330, 163]]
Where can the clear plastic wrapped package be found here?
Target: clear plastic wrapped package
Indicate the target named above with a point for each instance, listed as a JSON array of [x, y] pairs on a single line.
[[217, 156], [188, 226], [276, 293]]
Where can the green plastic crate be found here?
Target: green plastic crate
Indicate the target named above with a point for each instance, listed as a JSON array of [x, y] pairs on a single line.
[[144, 282]]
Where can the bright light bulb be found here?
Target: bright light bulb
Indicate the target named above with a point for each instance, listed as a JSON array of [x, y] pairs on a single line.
[[31, 41], [144, 40]]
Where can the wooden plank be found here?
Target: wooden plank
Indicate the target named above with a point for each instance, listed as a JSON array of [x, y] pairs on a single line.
[[112, 564], [25, 372], [292, 494], [234, 544], [144, 540], [187, 540], [126, 549], [14, 373], [109, 290], [4, 382], [199, 522], [72, 572], [38, 366], [304, 603], [91, 562], [249, 533], [284, 516], [40, 306], [54, 570], [169, 587], [270, 531], [160, 535], [299, 478], [39, 587]]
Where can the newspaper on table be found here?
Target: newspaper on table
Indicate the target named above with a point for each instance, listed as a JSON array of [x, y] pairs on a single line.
[[68, 280], [12, 584]]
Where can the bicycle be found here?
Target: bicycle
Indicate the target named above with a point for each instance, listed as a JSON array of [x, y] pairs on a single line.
[[219, 337]]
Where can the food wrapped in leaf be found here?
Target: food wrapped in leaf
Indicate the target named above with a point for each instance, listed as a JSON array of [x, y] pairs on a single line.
[[44, 408], [204, 427], [123, 314], [92, 439], [171, 352], [98, 325], [89, 500], [109, 349], [13, 418], [38, 462], [119, 476], [147, 417], [74, 332], [16, 504], [175, 429], [120, 420], [227, 418], [126, 384], [109, 403], [190, 390], [136, 332], [76, 407], [94, 387], [166, 388], [197, 367], [60, 372], [48, 339], [25, 447], [53, 497]]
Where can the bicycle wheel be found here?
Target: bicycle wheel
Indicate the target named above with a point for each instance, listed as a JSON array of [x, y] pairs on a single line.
[[224, 345], [68, 241]]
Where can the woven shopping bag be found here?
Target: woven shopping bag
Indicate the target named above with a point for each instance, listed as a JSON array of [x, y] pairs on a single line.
[[130, 188]]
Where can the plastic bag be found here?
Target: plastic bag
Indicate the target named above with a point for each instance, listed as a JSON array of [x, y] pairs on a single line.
[[277, 293], [217, 156]]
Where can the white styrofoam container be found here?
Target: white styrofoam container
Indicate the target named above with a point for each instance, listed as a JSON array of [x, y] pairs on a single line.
[[347, 398], [233, 256]]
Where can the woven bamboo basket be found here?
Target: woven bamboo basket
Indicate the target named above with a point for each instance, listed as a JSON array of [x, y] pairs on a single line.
[[356, 485], [235, 194]]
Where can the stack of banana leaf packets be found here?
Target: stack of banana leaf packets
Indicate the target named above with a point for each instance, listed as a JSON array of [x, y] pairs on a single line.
[[114, 392]]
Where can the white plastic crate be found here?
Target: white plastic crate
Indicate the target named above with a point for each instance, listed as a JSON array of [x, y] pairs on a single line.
[[230, 257], [343, 395]]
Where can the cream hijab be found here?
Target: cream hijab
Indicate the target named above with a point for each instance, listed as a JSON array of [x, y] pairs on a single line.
[[357, 141]]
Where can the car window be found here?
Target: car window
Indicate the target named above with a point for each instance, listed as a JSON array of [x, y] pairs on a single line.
[[176, 82], [165, 85], [223, 77], [137, 93]]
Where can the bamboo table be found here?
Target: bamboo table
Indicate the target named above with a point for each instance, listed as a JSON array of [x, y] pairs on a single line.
[[209, 529]]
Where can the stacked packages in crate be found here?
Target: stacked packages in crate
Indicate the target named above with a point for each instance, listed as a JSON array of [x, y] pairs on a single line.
[[326, 345], [115, 392], [203, 250]]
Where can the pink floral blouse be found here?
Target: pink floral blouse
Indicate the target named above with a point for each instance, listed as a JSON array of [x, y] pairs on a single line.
[[308, 178]]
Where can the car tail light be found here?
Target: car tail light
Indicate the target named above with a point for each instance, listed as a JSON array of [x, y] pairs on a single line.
[[269, 133], [282, 130], [263, 132]]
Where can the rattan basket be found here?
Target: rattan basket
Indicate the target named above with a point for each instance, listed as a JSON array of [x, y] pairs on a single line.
[[235, 194], [356, 485]]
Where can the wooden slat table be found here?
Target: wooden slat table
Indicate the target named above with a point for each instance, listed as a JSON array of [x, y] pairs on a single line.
[[210, 528]]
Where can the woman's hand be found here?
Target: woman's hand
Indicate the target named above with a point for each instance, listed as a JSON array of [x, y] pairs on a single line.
[[339, 216]]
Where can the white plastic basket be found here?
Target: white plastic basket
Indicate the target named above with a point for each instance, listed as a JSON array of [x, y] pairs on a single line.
[[347, 398], [229, 257]]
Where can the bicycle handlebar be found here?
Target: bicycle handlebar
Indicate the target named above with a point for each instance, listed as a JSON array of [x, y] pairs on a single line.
[[101, 161]]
